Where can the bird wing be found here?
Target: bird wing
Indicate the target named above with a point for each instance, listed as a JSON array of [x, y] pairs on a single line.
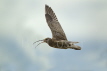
[[52, 21]]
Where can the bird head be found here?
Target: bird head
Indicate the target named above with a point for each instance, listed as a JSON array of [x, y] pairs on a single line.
[[46, 40]]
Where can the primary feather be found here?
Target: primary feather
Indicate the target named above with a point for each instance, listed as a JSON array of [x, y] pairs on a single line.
[[56, 29]]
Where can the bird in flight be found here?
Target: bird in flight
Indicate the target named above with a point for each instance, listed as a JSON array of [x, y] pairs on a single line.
[[59, 39]]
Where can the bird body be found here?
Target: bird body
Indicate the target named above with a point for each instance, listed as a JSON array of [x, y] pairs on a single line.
[[59, 39], [62, 44]]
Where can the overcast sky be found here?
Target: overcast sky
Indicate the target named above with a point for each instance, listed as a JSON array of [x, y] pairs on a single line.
[[22, 22]]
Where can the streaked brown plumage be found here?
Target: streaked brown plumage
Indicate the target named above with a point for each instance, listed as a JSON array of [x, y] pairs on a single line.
[[54, 25], [59, 39]]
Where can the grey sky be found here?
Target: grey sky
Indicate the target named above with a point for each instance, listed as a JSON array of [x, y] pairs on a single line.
[[22, 22]]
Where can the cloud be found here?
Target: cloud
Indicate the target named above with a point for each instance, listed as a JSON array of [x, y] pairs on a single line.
[[23, 22], [18, 51]]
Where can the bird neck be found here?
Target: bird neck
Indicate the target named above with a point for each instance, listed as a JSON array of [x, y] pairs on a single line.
[[50, 43]]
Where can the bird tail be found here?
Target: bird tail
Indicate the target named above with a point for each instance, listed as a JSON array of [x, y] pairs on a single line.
[[73, 42], [76, 47]]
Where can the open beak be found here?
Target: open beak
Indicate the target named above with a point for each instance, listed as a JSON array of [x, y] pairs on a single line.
[[39, 44], [37, 41]]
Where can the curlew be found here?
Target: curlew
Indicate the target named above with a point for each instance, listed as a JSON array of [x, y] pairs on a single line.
[[58, 39]]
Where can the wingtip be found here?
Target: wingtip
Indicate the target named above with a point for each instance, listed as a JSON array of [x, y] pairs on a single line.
[[46, 5]]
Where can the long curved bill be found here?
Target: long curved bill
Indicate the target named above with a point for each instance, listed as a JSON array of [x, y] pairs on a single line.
[[37, 41], [39, 44]]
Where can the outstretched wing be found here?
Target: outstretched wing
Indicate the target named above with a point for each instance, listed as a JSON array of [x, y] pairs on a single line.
[[56, 29]]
